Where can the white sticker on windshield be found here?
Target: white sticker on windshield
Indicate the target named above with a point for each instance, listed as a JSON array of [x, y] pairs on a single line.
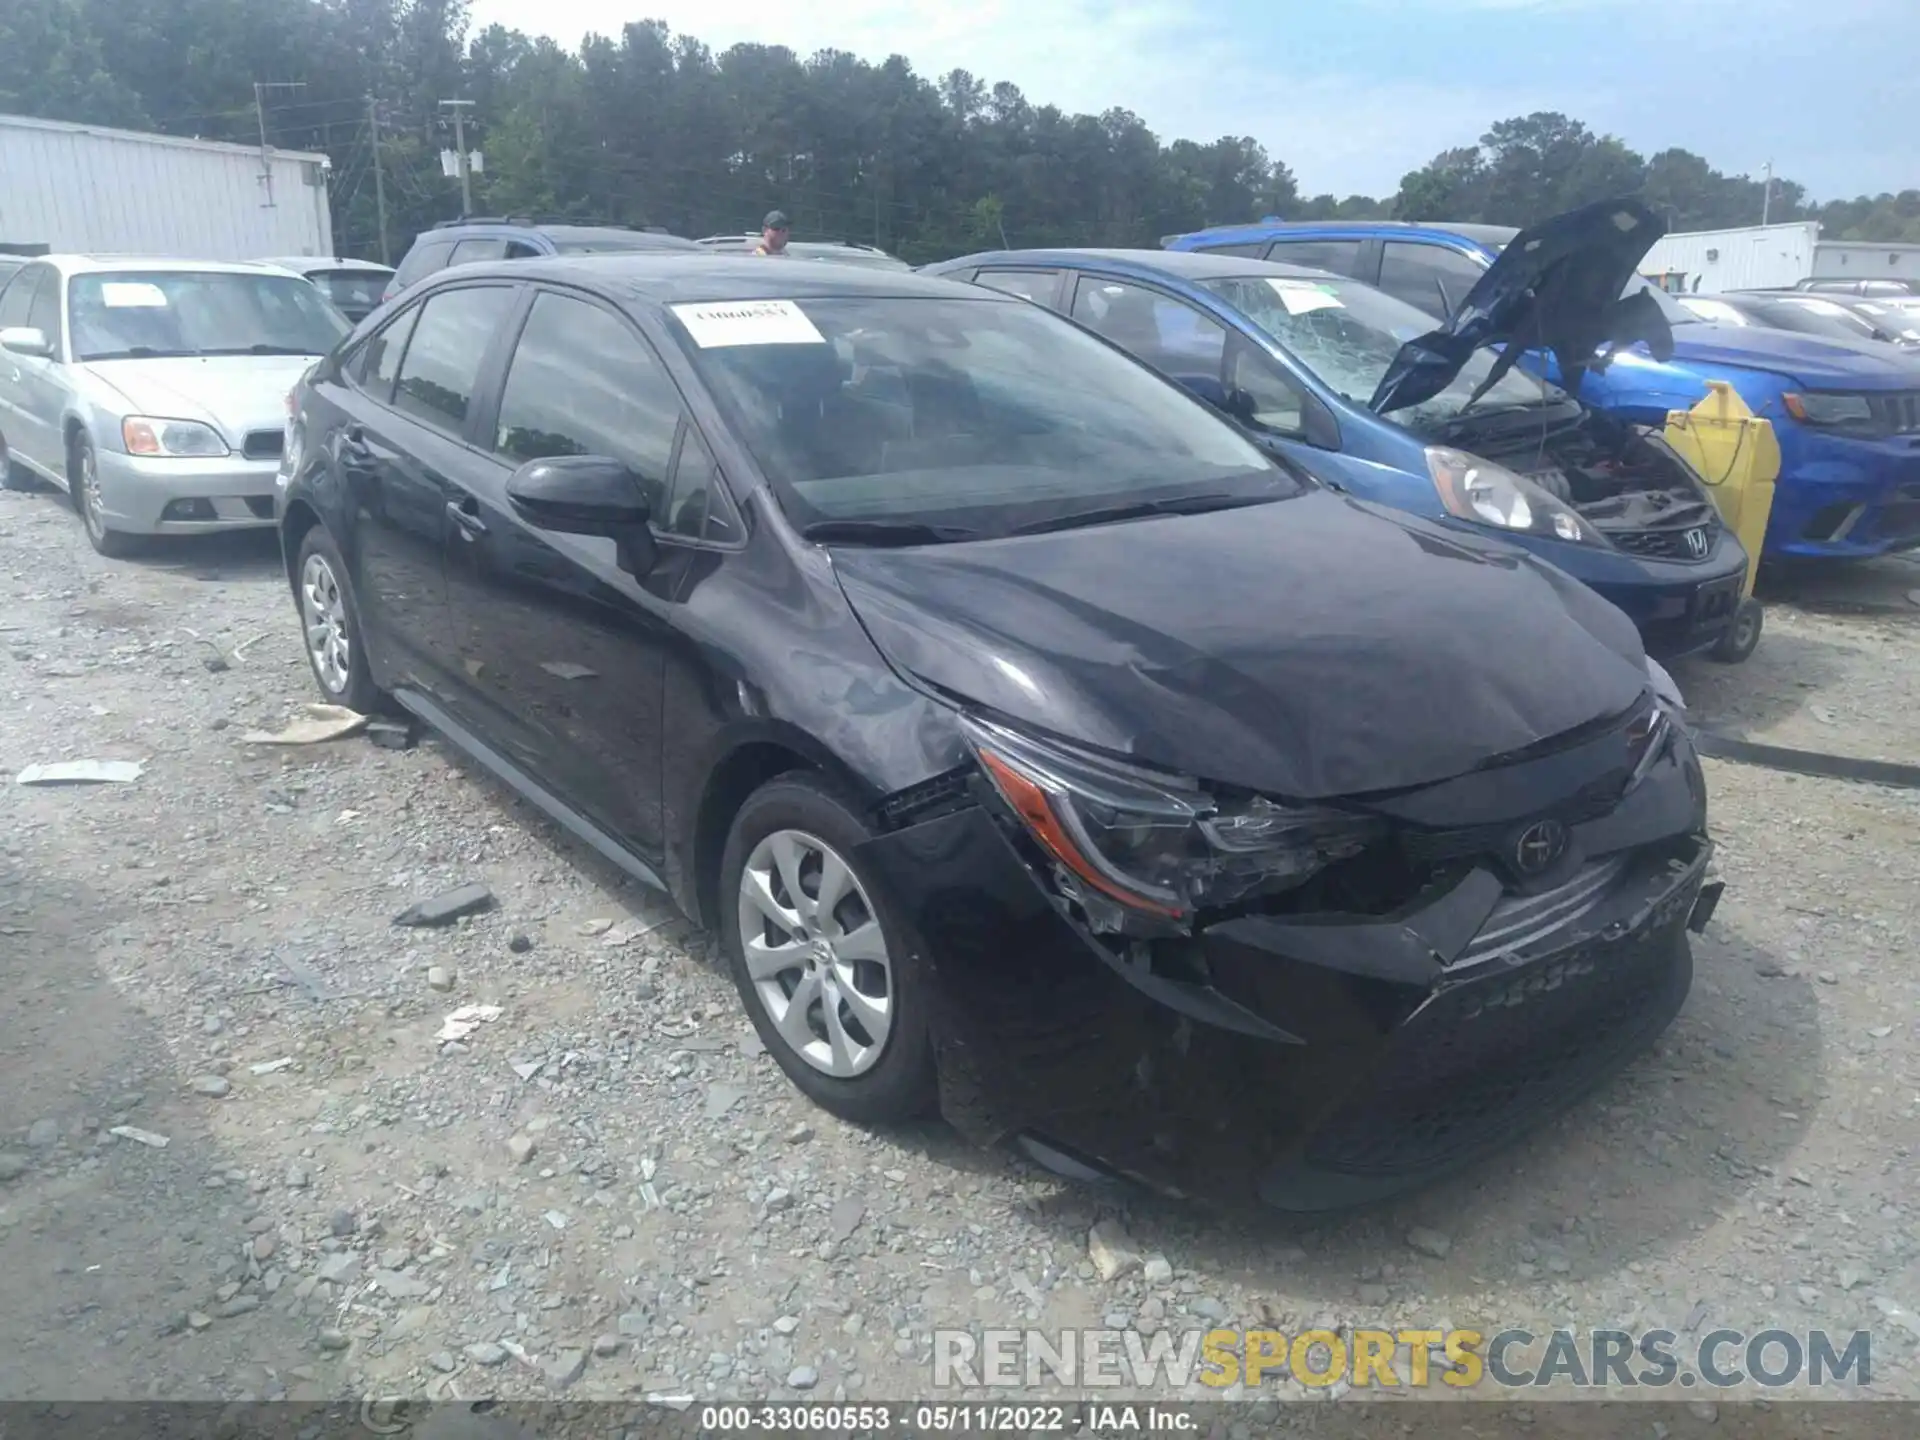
[[132, 295], [748, 322], [1302, 297]]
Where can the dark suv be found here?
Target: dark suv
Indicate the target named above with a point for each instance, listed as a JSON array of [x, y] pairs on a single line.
[[462, 242]]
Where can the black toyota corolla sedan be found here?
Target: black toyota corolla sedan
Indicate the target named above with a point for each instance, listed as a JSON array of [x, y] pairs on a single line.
[[1040, 748]]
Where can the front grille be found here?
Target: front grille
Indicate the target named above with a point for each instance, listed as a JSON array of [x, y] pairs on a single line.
[[1487, 1060], [1898, 520], [264, 444], [1898, 413], [1518, 921], [1666, 544], [1488, 842]]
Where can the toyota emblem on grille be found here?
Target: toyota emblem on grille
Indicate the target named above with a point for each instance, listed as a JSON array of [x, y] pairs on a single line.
[[1539, 846], [1696, 543]]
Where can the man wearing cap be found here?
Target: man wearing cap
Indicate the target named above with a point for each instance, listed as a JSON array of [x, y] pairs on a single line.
[[773, 234]]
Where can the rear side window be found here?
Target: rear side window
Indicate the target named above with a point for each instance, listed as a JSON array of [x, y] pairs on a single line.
[[1039, 286], [443, 359], [1342, 257], [468, 251], [521, 250], [583, 383], [379, 360], [1432, 277], [1171, 336], [422, 260], [1255, 251], [16, 302]]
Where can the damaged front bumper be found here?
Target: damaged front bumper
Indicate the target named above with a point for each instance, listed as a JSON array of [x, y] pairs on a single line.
[[1310, 1063]]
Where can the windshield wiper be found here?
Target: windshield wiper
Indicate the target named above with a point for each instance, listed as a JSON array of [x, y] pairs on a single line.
[[139, 352], [261, 350], [886, 532], [1140, 510]]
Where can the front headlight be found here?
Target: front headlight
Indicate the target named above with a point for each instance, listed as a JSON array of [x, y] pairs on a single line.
[[147, 435], [1155, 842], [1488, 494], [1830, 409]]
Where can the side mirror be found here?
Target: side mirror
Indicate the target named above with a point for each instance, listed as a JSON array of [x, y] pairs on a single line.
[[586, 495], [26, 340]]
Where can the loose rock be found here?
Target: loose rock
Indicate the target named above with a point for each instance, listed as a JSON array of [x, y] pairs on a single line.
[[564, 1368], [1429, 1242], [803, 1377], [439, 978], [1111, 1250]]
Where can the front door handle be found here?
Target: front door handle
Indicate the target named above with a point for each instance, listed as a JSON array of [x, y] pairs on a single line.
[[466, 514]]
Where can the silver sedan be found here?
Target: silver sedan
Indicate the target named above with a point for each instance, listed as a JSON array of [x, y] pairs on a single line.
[[154, 391]]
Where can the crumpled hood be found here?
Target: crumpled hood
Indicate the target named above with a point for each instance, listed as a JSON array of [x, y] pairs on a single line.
[[1306, 648], [233, 393], [1556, 286], [1820, 362]]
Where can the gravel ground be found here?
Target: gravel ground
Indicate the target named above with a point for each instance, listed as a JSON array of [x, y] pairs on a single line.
[[609, 1190]]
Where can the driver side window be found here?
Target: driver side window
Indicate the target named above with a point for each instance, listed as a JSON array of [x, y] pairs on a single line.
[[1259, 394]]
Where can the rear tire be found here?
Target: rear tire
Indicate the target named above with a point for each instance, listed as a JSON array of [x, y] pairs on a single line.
[[331, 635], [847, 1018], [83, 486], [1742, 637]]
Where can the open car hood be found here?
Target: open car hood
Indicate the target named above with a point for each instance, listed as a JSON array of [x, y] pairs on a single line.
[[1557, 286]]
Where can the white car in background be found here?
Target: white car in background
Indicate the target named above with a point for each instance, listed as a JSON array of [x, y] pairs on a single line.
[[354, 286], [154, 392]]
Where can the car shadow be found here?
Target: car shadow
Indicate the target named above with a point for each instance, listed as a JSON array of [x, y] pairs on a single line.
[[1784, 675], [1688, 1129], [111, 1243]]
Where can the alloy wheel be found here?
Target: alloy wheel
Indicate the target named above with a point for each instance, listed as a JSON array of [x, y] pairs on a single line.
[[93, 506], [323, 611], [815, 953]]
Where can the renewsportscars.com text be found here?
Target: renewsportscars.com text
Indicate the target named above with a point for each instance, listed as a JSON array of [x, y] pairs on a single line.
[[1393, 1359]]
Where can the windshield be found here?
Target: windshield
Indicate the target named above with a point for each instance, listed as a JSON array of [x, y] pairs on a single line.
[[1819, 317], [1348, 333], [974, 416], [149, 313]]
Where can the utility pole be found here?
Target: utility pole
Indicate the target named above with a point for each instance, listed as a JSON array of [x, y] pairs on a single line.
[[260, 88], [1766, 195], [379, 176], [460, 108]]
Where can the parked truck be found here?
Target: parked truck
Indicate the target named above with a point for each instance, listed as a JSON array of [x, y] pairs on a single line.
[[86, 188]]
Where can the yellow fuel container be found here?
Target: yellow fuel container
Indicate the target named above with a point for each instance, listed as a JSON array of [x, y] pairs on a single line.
[[1738, 456]]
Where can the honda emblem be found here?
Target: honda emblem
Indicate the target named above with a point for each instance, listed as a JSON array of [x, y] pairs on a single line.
[[1697, 543]]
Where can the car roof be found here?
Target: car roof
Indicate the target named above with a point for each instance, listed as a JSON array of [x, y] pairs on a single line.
[[1181, 264], [158, 264], [1490, 235], [578, 234], [306, 264], [706, 276]]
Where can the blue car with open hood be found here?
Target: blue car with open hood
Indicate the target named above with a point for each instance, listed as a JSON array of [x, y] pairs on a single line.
[[1847, 413], [1364, 392]]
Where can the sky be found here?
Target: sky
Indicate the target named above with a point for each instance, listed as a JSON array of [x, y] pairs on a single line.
[[1354, 93]]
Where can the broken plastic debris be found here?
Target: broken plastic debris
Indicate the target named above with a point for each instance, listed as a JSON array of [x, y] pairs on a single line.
[[527, 1069], [567, 670], [81, 772], [445, 909], [269, 1067], [139, 1136], [319, 722], [631, 930], [467, 1019]]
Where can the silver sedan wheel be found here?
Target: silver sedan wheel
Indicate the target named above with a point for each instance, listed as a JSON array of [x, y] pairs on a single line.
[[815, 953], [324, 613]]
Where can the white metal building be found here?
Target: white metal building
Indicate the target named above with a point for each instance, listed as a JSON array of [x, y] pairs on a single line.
[[87, 188], [1706, 262]]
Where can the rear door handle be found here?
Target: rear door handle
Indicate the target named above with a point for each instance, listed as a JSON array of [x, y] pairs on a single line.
[[466, 514]]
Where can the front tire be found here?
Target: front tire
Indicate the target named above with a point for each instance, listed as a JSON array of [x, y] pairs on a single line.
[[830, 975], [330, 626], [83, 484], [1742, 637]]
